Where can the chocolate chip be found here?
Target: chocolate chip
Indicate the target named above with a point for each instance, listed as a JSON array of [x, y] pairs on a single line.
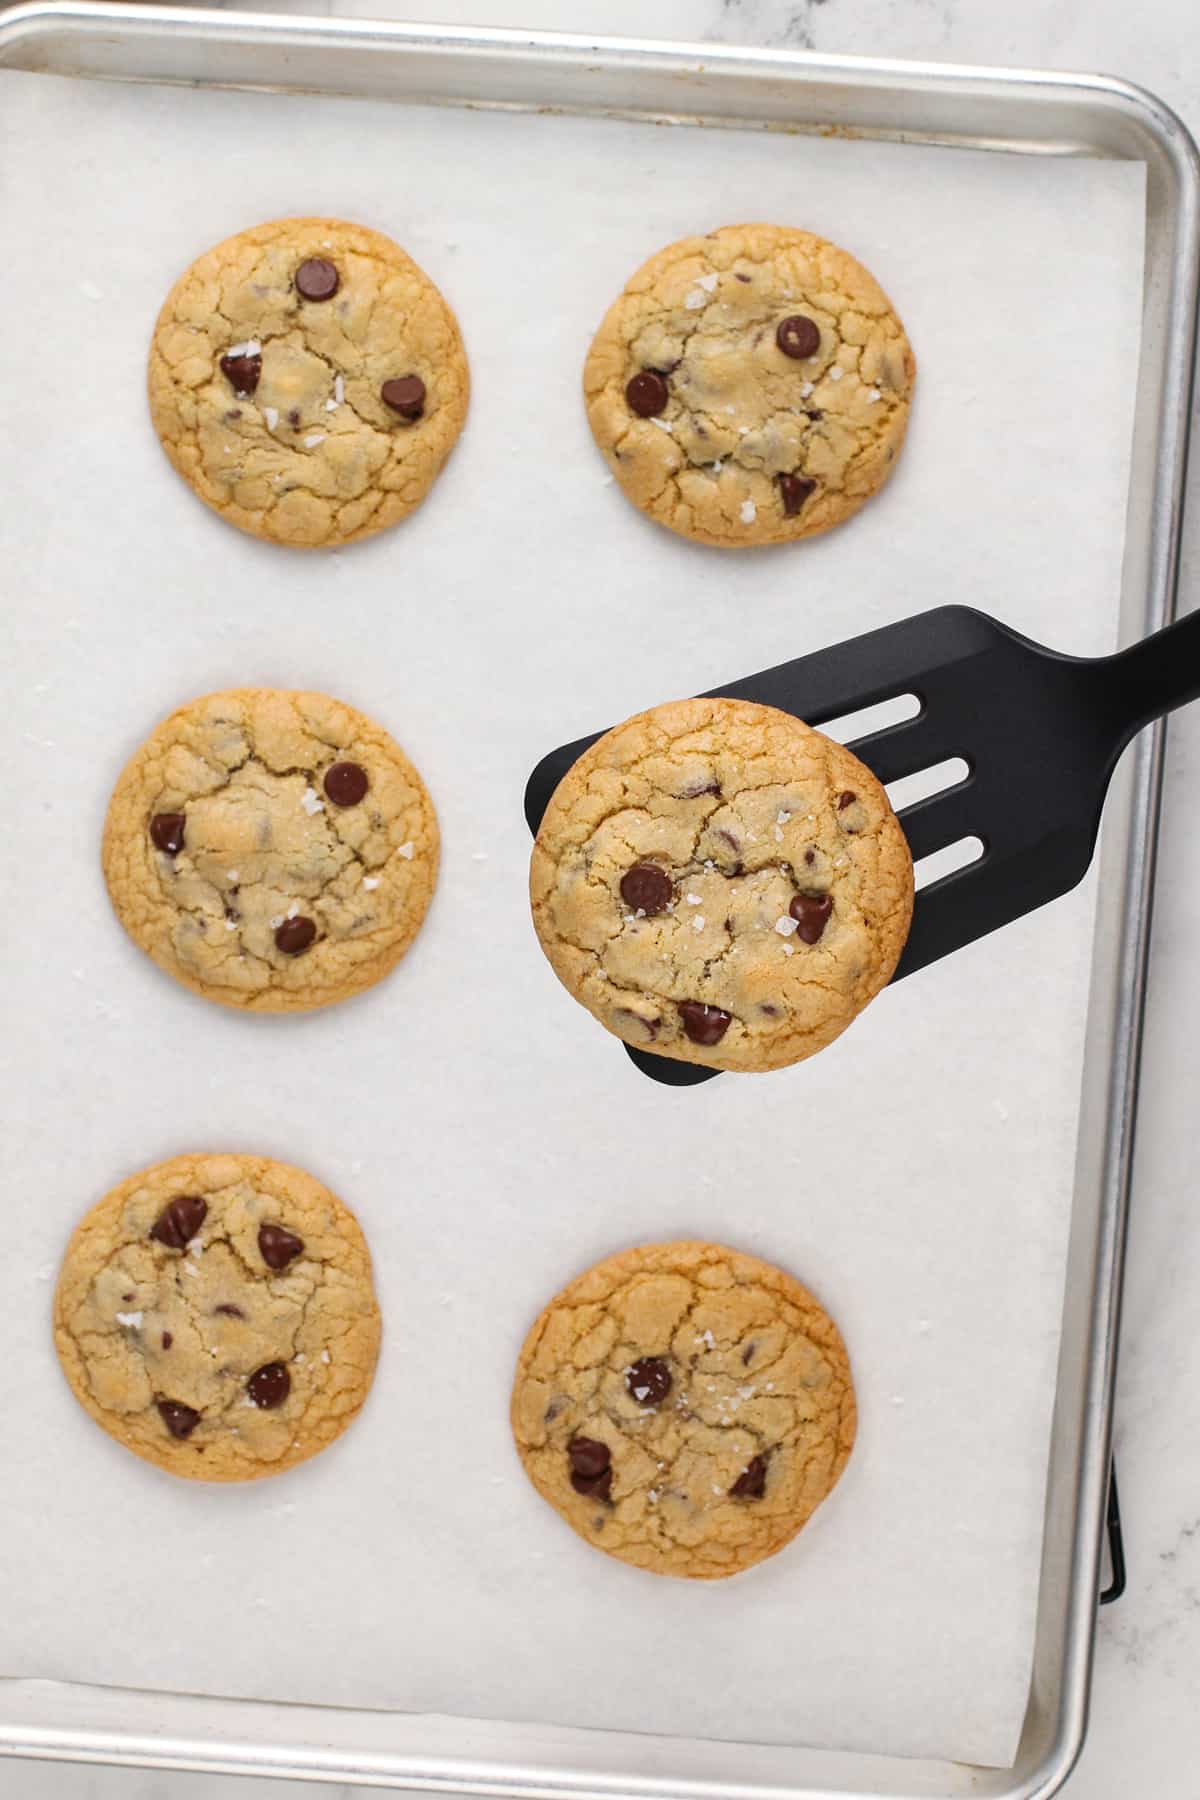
[[269, 1386], [695, 789], [794, 491], [738, 276], [278, 1247], [648, 1026], [230, 1311], [317, 279], [294, 418], [814, 413], [295, 935], [404, 395], [235, 412], [594, 1487], [646, 393], [751, 1483], [345, 783], [748, 1354], [704, 1024], [180, 1420], [557, 1406], [242, 373], [647, 887], [167, 1340], [648, 1380], [810, 857], [180, 1220], [588, 1456], [797, 336], [166, 832], [846, 799], [129, 1299], [811, 913]]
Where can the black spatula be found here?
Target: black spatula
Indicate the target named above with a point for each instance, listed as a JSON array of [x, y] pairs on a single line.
[[1040, 732]]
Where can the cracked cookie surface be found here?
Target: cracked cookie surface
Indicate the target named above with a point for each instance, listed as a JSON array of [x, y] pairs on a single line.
[[715, 881], [308, 380], [272, 850], [685, 1407], [751, 386], [216, 1315]]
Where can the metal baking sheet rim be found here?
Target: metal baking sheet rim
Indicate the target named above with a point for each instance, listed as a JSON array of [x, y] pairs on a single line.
[[1029, 111]]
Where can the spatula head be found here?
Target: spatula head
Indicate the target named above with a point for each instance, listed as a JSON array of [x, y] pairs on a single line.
[[1032, 726]]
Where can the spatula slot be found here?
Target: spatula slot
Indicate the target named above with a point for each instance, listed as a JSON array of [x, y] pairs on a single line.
[[926, 782], [868, 719], [948, 861]]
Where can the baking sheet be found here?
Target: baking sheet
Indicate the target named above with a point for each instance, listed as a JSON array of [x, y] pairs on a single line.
[[917, 1175]]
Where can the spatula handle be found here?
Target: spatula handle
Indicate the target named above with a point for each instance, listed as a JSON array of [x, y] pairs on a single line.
[[1153, 677]]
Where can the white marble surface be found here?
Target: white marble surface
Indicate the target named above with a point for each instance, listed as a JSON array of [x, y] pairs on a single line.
[[1145, 1733]]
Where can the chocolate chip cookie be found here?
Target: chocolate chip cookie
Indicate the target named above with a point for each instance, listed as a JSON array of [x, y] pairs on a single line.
[[751, 386], [308, 380], [684, 1407], [716, 881], [216, 1315], [275, 851]]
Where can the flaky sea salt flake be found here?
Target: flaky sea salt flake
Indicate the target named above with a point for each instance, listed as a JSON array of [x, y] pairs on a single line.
[[698, 922], [835, 374], [785, 925], [314, 438], [312, 803], [406, 850], [749, 512], [873, 394], [271, 416], [133, 1320]]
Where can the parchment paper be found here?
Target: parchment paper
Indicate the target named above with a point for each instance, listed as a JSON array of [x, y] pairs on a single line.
[[492, 1139]]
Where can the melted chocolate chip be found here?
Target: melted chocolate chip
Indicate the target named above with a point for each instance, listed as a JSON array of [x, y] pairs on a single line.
[[557, 1406], [704, 1024], [797, 336], [269, 1386], [811, 913], [235, 412], [230, 1310], [646, 393], [738, 276], [748, 1354], [591, 1467], [295, 935], [294, 418], [167, 1340], [345, 783], [647, 887], [648, 1380], [166, 832], [594, 1487], [404, 395], [242, 373], [180, 1420], [317, 279], [846, 799], [794, 491], [630, 1019], [810, 857], [278, 1247], [588, 1456], [752, 1482], [180, 1220]]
